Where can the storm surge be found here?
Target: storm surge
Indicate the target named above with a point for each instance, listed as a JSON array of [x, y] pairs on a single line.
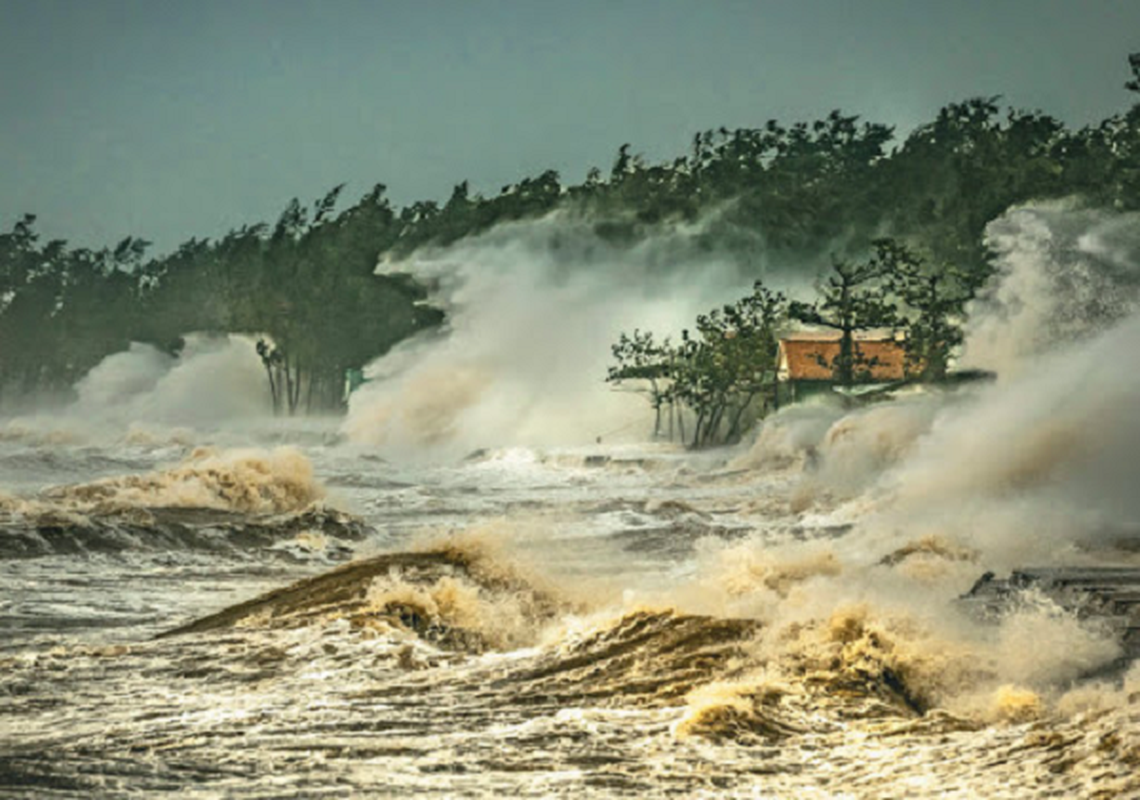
[[1036, 469], [796, 616]]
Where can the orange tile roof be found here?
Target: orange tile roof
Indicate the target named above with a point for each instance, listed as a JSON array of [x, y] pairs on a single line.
[[809, 358]]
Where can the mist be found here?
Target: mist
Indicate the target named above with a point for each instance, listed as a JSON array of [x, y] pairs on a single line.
[[213, 380], [1036, 467], [1064, 272], [533, 309]]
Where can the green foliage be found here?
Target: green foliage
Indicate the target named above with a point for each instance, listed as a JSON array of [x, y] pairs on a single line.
[[935, 299], [723, 375], [853, 298], [729, 363], [307, 287], [716, 373], [786, 193], [61, 311], [650, 364]]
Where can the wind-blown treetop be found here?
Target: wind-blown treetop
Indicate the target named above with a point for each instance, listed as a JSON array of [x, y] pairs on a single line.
[[784, 193]]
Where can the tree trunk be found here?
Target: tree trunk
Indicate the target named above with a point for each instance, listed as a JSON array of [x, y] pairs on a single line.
[[697, 431], [272, 387], [735, 429]]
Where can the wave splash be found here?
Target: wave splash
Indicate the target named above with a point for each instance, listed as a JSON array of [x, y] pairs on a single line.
[[533, 310], [213, 379], [241, 481], [219, 501]]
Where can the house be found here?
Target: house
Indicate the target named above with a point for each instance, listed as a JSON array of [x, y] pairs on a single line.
[[806, 360]]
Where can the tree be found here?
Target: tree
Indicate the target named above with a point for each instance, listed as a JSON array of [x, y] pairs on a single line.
[[729, 364], [776, 193], [641, 358], [935, 298], [717, 373], [853, 299]]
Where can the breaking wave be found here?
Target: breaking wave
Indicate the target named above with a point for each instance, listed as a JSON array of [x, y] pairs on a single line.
[[728, 620], [214, 501], [533, 310], [242, 481]]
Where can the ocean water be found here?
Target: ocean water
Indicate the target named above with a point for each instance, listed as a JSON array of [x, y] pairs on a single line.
[[428, 600], [604, 621]]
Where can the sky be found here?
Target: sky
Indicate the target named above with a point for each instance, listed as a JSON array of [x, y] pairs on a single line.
[[171, 119]]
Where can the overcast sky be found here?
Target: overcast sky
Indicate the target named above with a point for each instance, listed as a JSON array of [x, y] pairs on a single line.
[[170, 119]]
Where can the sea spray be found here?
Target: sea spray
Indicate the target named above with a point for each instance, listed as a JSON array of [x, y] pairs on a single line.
[[1063, 272], [122, 377], [825, 639], [533, 310], [243, 481], [213, 379], [1028, 467]]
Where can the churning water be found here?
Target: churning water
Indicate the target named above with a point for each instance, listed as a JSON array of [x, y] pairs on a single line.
[[251, 608]]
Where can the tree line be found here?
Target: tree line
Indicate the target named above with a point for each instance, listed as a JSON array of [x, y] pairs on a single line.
[[916, 282], [790, 192], [305, 285]]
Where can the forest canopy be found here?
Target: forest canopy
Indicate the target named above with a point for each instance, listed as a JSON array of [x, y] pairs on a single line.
[[306, 284]]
